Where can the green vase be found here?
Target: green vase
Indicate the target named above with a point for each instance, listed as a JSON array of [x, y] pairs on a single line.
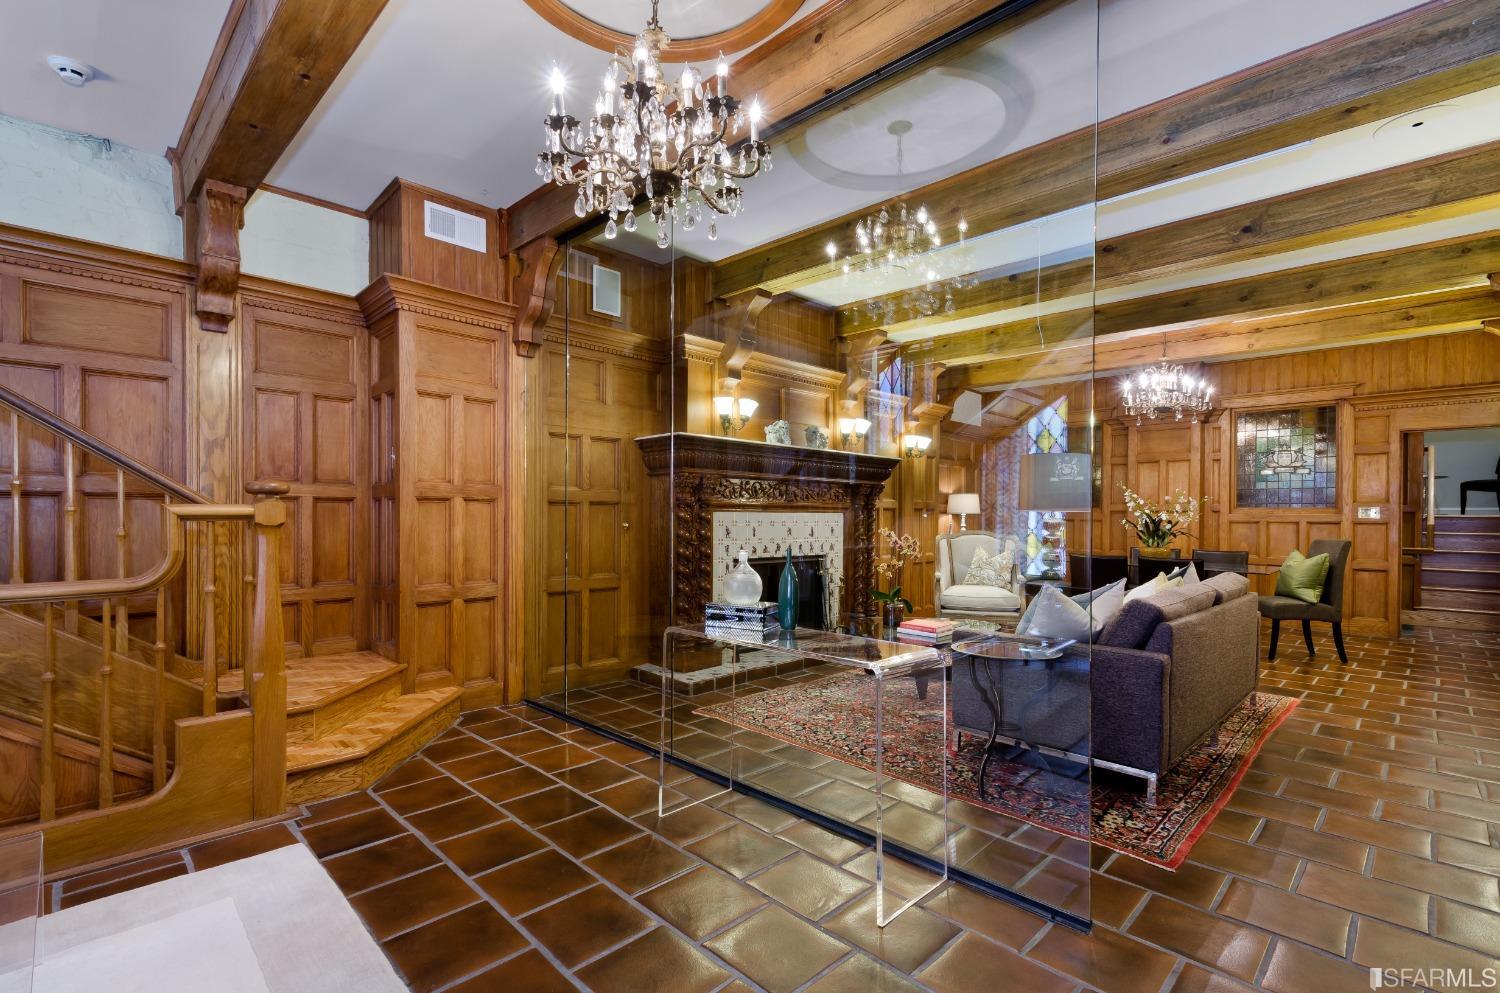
[[786, 595]]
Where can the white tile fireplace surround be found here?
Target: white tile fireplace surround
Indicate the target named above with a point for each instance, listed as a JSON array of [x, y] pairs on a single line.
[[765, 535]]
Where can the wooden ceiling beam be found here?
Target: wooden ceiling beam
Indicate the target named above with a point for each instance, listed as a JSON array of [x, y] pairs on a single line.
[[273, 62], [1361, 281], [1434, 52], [1440, 313], [1433, 189]]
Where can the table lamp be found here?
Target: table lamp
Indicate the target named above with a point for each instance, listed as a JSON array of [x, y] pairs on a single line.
[[1054, 484], [963, 504]]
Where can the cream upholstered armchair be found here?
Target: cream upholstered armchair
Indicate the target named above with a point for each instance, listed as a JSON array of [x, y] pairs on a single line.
[[956, 599]]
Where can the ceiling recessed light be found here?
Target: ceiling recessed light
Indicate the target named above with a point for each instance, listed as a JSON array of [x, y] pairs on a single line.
[[70, 71]]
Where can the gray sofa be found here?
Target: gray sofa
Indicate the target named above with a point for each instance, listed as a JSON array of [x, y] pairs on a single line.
[[1162, 674]]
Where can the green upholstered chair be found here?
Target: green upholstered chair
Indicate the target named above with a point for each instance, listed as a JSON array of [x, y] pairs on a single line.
[[1329, 608]]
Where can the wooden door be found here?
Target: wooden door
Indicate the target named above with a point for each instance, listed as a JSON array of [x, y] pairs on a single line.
[[1414, 536]]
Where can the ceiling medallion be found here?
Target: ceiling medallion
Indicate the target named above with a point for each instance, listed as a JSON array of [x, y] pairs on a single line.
[[670, 143], [901, 240], [1165, 389]]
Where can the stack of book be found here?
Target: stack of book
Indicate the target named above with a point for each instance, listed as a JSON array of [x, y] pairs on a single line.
[[927, 630], [754, 620]]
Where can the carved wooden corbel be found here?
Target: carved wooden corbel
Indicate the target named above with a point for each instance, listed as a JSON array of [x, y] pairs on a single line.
[[740, 320], [221, 213], [534, 268]]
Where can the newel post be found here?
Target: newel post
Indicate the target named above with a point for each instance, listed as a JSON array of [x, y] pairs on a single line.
[[266, 655]]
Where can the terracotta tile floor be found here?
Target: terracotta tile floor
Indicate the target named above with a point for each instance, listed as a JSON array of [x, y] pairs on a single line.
[[1368, 833]]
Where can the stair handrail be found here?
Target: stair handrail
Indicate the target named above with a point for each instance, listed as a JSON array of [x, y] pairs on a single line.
[[265, 676], [97, 447]]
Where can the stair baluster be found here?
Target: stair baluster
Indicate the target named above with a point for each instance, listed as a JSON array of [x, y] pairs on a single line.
[[122, 543], [70, 531], [48, 798], [159, 697], [17, 574], [210, 646], [106, 724]]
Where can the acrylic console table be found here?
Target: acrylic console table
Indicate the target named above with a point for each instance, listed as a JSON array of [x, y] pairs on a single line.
[[885, 700]]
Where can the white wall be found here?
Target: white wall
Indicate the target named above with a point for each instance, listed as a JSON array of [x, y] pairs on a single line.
[[85, 187], [299, 242], [98, 190], [1465, 455]]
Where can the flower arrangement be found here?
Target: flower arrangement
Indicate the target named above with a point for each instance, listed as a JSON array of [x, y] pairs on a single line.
[[904, 548], [1157, 525]]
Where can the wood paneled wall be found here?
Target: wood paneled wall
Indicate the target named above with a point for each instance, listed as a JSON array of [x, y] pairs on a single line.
[[97, 337], [439, 361], [1382, 391], [604, 382], [306, 390]]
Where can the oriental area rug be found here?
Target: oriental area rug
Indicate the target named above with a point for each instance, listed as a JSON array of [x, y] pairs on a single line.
[[835, 717]]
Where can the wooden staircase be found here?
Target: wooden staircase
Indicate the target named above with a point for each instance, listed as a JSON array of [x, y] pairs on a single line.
[[122, 727], [1460, 581], [348, 723]]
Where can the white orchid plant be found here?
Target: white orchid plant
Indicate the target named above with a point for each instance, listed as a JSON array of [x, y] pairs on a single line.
[[904, 548], [1158, 524]]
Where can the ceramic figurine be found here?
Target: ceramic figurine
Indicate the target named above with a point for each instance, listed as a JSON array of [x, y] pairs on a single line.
[[816, 437], [779, 433]]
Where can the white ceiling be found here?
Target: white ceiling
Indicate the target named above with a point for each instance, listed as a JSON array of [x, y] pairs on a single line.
[[451, 94], [150, 55], [681, 18]]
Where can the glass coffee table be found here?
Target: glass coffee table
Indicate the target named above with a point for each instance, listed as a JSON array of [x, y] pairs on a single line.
[[863, 693]]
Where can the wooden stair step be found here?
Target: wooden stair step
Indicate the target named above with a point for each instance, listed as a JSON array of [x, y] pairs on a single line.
[[1456, 523], [325, 692], [355, 756]]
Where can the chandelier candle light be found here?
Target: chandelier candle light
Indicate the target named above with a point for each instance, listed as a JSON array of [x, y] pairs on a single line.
[[1165, 389], [650, 136]]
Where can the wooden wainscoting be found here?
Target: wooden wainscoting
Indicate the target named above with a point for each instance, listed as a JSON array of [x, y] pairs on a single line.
[[306, 392], [96, 337], [439, 361]]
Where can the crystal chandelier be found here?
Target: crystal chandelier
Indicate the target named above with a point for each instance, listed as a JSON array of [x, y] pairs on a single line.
[[901, 240], [1165, 389], [669, 142]]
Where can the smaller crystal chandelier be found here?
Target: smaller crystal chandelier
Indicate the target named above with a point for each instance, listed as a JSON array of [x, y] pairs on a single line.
[[902, 240], [1165, 389], [667, 141]]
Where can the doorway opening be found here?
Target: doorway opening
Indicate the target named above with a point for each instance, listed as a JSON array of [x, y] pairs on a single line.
[[1450, 529]]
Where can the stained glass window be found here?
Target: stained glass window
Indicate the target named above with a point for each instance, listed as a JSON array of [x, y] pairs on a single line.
[[893, 378], [1287, 458], [1046, 431]]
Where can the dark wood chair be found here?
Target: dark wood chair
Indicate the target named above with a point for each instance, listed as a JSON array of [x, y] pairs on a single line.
[[1479, 486], [1144, 568], [1330, 608], [1210, 563], [1089, 572]]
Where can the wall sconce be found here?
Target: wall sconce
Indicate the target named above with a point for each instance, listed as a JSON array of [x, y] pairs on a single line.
[[962, 505], [734, 413], [852, 430], [915, 444]]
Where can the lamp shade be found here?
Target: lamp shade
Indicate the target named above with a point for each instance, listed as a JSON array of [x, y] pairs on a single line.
[[1059, 481], [963, 503]]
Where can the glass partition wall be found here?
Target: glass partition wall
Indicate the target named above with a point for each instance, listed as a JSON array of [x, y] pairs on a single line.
[[871, 396]]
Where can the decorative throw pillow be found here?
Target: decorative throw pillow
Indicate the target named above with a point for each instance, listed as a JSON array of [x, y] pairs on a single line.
[[989, 569], [1302, 577], [1057, 616], [1102, 604], [1155, 584]]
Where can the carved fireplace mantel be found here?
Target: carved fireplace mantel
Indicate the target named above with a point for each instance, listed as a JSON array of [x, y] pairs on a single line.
[[697, 474]]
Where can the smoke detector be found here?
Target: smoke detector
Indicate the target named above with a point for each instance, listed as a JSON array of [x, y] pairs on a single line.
[[71, 71]]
